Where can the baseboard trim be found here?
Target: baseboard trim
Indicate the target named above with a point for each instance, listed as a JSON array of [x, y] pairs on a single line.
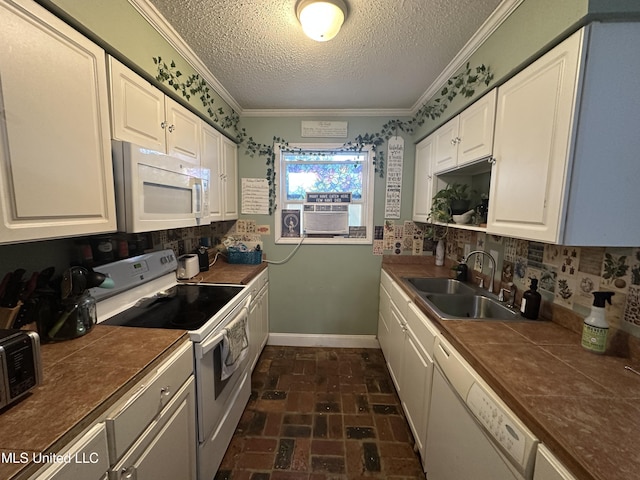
[[319, 340]]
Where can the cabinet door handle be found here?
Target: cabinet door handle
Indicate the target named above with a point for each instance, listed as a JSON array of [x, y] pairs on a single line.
[[165, 391], [453, 141], [128, 473], [163, 125], [458, 139], [171, 128], [492, 160]]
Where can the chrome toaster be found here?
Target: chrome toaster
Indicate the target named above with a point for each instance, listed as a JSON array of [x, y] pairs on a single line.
[[20, 364]]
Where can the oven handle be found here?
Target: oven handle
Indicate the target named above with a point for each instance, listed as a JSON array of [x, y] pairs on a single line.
[[209, 344]]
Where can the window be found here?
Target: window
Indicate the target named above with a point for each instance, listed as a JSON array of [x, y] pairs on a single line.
[[325, 168]]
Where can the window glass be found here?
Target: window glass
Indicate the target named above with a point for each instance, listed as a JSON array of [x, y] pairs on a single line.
[[309, 169]]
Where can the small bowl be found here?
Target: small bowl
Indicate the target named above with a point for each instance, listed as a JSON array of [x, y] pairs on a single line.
[[462, 219]]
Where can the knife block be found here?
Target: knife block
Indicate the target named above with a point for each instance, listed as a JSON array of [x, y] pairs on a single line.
[[8, 316]]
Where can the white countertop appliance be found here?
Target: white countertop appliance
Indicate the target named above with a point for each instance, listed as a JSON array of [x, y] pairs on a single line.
[[20, 364], [148, 295], [471, 433]]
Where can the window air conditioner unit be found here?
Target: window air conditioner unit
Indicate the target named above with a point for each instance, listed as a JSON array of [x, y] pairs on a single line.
[[326, 219]]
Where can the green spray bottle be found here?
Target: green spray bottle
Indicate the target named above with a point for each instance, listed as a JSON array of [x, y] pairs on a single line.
[[595, 327]]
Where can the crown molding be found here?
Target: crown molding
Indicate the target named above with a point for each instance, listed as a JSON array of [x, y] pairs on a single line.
[[157, 21], [501, 13], [322, 112]]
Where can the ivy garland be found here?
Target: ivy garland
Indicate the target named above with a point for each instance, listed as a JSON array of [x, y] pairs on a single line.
[[194, 85], [464, 83]]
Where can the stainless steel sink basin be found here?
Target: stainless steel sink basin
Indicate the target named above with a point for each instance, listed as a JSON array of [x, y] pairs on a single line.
[[439, 285], [476, 307]]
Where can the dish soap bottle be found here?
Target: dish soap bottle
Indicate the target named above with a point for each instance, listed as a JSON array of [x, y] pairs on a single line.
[[595, 327], [530, 306]]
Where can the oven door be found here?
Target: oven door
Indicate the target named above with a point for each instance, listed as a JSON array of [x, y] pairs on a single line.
[[155, 191], [214, 392]]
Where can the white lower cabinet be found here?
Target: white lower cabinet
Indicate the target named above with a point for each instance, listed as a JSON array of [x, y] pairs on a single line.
[[152, 430], [406, 337], [548, 467], [86, 458], [258, 316], [166, 449]]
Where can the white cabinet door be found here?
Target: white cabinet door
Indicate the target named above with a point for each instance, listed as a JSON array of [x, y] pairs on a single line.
[[467, 137], [90, 455], [416, 387], [56, 178], [423, 181], [533, 127], [475, 134], [396, 345], [182, 132], [445, 145], [548, 467], [167, 449], [137, 108], [230, 179], [384, 317], [211, 152], [143, 115]]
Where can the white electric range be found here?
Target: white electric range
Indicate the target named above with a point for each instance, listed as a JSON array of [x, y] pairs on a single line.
[[147, 294]]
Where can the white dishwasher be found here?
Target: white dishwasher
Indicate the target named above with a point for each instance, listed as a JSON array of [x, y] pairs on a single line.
[[471, 433]]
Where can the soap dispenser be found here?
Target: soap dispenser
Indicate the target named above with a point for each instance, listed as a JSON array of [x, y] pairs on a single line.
[[595, 327], [530, 306]]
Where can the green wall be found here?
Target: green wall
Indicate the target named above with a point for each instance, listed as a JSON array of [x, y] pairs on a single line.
[[323, 289]]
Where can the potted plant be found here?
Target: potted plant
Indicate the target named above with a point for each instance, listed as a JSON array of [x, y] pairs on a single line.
[[451, 200]]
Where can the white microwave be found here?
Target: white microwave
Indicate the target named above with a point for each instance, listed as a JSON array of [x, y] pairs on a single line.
[[155, 191]]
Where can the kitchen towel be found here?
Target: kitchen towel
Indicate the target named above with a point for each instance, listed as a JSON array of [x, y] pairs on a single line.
[[235, 344]]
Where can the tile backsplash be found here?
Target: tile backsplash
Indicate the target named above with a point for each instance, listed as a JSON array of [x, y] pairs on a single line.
[[567, 276]]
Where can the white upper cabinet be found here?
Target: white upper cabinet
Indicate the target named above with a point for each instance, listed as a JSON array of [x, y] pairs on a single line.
[[566, 143], [423, 180], [56, 175], [143, 115], [211, 158], [467, 137], [230, 179], [220, 156], [183, 137]]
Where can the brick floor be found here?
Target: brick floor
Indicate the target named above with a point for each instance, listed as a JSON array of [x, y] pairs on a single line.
[[321, 414]]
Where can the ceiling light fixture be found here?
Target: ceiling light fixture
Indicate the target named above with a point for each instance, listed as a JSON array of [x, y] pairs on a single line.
[[321, 19]]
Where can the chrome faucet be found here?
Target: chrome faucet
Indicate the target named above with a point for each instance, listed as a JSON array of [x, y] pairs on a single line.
[[493, 266]]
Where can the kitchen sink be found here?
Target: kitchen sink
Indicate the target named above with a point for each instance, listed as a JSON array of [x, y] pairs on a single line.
[[453, 299], [477, 307], [439, 285]]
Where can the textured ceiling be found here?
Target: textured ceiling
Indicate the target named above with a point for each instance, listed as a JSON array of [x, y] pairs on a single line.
[[388, 53]]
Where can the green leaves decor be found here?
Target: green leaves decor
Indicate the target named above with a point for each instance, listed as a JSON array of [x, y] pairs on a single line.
[[464, 83], [192, 86]]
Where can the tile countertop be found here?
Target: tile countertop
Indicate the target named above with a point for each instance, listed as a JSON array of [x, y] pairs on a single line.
[[84, 377], [224, 272], [584, 407]]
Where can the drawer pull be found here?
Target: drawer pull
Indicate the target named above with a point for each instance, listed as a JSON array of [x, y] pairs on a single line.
[[128, 473], [165, 391]]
